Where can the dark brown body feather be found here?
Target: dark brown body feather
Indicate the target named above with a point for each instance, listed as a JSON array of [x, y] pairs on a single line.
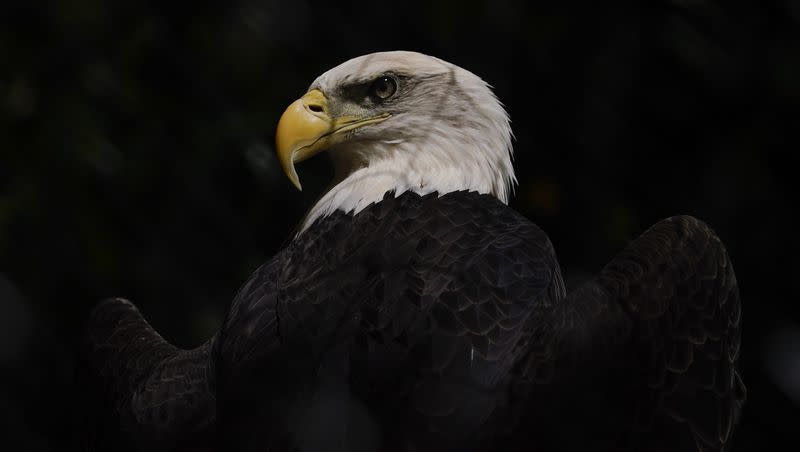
[[441, 323]]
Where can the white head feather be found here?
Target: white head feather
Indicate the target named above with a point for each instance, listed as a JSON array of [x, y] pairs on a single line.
[[448, 132]]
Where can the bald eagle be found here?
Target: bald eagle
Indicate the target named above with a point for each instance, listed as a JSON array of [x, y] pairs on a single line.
[[414, 310]]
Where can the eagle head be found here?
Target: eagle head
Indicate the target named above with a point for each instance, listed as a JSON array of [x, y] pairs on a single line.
[[398, 121]]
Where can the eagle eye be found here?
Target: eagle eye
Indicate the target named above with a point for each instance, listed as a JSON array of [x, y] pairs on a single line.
[[383, 87]]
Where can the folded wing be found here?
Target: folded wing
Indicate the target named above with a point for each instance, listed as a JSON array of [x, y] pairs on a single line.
[[151, 392], [645, 353]]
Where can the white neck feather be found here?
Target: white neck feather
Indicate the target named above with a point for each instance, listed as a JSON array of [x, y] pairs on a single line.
[[451, 160]]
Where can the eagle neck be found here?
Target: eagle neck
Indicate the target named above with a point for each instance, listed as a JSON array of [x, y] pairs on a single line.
[[442, 164]]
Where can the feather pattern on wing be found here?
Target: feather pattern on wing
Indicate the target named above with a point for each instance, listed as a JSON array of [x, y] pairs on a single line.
[[651, 342], [151, 392]]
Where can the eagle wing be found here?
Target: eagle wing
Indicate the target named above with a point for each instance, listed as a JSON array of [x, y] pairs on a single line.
[[153, 394], [148, 391], [651, 342]]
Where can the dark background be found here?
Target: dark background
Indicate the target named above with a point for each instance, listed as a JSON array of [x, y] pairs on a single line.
[[136, 158]]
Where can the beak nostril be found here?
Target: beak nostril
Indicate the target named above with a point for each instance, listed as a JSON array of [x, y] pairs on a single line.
[[316, 108]]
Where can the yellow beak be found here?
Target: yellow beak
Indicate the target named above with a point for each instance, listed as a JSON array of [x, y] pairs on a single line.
[[306, 128]]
